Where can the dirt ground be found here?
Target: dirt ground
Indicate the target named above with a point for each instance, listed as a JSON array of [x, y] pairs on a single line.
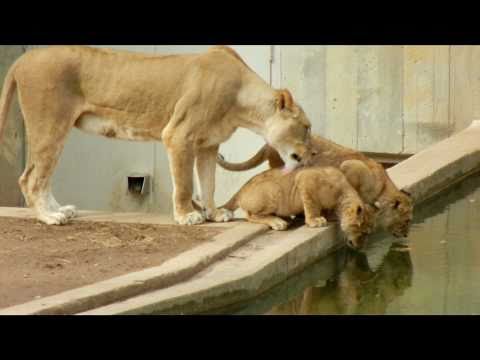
[[37, 260]]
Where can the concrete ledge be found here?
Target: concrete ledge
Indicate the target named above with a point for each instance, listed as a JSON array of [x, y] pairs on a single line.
[[172, 271], [265, 262], [441, 165]]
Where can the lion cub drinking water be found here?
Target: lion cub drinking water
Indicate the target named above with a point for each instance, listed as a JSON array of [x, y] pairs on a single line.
[[274, 194]]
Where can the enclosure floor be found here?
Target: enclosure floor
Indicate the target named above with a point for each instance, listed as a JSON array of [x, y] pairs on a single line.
[[37, 260]]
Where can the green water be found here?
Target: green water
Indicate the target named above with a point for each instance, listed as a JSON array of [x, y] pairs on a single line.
[[435, 271]]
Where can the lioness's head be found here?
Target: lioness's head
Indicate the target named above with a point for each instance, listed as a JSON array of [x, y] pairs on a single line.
[[396, 212], [288, 130], [357, 222]]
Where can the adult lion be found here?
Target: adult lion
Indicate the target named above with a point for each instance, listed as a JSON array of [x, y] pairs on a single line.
[[367, 176], [192, 103]]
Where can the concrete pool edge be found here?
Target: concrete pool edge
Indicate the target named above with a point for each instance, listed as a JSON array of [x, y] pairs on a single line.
[[440, 166], [263, 263], [172, 271]]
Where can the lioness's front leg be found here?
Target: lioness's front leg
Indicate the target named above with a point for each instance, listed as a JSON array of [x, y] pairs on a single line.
[[181, 158], [206, 165]]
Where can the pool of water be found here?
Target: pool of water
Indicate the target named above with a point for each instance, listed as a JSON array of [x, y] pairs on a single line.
[[435, 271]]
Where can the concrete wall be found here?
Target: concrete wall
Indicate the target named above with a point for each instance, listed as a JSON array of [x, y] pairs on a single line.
[[11, 143], [392, 99]]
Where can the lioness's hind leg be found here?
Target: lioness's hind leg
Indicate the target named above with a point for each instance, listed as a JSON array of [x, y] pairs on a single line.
[[70, 211], [36, 190], [47, 128]]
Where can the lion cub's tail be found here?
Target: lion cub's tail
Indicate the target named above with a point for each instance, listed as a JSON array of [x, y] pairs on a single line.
[[232, 204], [9, 87], [259, 158]]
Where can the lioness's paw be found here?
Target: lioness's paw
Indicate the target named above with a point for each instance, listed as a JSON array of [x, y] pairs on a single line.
[[193, 218], [278, 224], [53, 218], [220, 215], [70, 211], [317, 222]]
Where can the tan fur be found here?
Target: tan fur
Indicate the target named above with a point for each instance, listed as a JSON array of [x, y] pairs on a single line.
[[274, 194], [192, 103], [367, 176]]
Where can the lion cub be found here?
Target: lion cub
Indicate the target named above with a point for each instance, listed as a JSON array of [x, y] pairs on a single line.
[[274, 194]]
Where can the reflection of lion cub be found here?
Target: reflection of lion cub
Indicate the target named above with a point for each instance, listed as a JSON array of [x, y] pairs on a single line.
[[274, 194], [367, 176]]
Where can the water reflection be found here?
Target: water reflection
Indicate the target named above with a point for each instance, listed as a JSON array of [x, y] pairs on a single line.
[[435, 271], [357, 289]]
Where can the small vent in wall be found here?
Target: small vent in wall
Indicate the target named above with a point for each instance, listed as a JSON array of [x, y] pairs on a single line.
[[138, 184]]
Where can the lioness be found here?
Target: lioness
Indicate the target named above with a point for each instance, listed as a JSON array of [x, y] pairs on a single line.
[[367, 176], [274, 194], [192, 103]]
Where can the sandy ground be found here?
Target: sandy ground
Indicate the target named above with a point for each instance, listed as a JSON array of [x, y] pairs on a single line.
[[37, 260]]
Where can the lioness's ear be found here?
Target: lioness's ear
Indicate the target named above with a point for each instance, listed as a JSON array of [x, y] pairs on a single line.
[[284, 100]]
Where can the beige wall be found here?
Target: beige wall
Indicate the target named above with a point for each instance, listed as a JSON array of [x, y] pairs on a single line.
[[393, 99], [11, 143]]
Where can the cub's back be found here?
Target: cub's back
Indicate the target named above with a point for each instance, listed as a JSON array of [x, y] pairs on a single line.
[[326, 184]]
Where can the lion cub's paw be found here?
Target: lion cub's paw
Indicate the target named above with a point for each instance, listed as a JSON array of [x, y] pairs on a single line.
[[317, 222], [193, 218], [69, 211], [220, 215], [278, 224]]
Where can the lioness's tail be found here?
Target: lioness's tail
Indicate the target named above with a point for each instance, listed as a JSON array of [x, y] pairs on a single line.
[[9, 87], [259, 158]]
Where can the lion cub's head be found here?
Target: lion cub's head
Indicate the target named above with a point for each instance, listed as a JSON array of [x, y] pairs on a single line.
[[357, 221], [288, 131], [396, 212]]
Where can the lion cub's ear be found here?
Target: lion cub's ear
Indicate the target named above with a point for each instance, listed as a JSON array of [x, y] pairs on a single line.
[[284, 100]]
